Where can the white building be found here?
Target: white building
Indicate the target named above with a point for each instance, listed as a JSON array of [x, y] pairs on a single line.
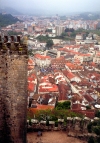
[[96, 59], [42, 60]]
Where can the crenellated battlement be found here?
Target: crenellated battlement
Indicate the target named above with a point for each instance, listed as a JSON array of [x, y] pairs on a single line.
[[12, 45]]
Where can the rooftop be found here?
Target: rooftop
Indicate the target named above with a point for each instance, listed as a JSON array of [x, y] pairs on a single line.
[[42, 57]]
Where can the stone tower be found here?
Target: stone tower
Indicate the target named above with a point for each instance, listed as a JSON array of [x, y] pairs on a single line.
[[13, 90]]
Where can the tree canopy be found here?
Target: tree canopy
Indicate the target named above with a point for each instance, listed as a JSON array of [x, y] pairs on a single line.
[[63, 105], [49, 43], [69, 30], [52, 114], [42, 38], [14, 33], [30, 52], [48, 30], [97, 114]]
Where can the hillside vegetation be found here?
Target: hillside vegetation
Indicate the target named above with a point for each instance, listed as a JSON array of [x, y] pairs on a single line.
[[7, 19]]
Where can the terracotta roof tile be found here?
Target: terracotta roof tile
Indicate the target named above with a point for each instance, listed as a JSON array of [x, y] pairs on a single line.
[[69, 74], [41, 107], [88, 98], [88, 113], [42, 57], [31, 86], [74, 66]]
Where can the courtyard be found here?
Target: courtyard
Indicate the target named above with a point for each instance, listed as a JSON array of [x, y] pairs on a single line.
[[52, 137]]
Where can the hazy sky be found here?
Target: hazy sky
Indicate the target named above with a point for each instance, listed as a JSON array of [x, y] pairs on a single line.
[[56, 6]]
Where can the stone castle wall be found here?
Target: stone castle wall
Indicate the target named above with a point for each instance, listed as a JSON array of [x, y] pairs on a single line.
[[13, 92]]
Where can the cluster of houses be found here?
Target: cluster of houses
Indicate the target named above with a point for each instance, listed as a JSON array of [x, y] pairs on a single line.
[[73, 75]]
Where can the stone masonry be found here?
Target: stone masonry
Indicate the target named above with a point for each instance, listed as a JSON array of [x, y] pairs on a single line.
[[13, 91]]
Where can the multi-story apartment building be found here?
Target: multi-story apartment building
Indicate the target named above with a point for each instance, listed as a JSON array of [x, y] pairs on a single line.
[[59, 30]]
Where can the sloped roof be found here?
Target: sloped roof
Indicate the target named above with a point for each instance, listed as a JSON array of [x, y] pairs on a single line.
[[88, 113], [69, 74], [30, 64], [74, 66], [48, 88], [31, 86], [41, 107], [88, 98], [42, 57]]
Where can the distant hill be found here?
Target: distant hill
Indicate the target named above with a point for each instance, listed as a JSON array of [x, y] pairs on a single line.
[[9, 10], [7, 19], [89, 16]]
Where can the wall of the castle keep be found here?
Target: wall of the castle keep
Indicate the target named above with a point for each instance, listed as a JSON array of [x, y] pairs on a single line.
[[13, 98]]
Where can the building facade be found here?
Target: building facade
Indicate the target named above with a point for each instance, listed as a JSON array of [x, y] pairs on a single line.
[[42, 61], [59, 30]]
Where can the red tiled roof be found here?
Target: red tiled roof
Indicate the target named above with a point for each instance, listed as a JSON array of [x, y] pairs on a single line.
[[48, 88], [77, 61], [76, 106], [30, 64], [76, 97], [30, 67], [33, 75], [97, 89], [31, 86], [68, 74], [93, 64], [88, 98], [63, 90], [73, 66], [42, 57], [41, 107], [84, 83], [98, 54], [73, 52], [30, 79], [88, 113]]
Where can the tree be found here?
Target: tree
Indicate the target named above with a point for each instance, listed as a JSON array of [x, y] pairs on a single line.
[[97, 114], [96, 130], [73, 34], [30, 52], [63, 105], [88, 107], [89, 127], [14, 33], [69, 30], [91, 140], [42, 38], [66, 105], [48, 30], [7, 19], [63, 35], [49, 43]]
